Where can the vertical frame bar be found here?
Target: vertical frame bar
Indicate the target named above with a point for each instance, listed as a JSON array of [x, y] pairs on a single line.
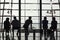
[[2, 19], [40, 17], [11, 16], [20, 18], [11, 9]]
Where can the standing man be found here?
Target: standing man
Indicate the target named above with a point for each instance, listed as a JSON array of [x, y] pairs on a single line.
[[53, 28], [27, 23], [15, 25], [45, 27], [26, 26], [7, 27]]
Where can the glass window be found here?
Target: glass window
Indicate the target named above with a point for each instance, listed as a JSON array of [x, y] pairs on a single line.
[[15, 1], [45, 1], [15, 6], [31, 1], [31, 13], [46, 6], [15, 13], [32, 6], [55, 6], [7, 6]]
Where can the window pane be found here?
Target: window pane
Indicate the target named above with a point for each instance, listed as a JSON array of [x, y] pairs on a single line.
[[22, 20], [46, 6], [15, 1], [22, 1], [55, 6], [32, 6], [7, 6], [15, 13], [45, 1], [31, 13], [15, 6], [23, 6], [22, 13], [32, 1]]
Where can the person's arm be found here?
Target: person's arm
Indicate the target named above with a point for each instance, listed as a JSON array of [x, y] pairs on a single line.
[[56, 24], [9, 24], [31, 24], [47, 24]]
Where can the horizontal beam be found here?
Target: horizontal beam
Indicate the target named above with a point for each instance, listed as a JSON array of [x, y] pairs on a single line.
[[4, 3], [25, 16], [33, 9], [29, 3]]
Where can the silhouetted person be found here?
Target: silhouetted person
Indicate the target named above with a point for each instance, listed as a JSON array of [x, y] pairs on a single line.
[[27, 23], [45, 27], [7, 27], [26, 26], [15, 25], [53, 26]]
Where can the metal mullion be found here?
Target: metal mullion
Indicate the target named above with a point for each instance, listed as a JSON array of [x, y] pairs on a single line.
[[32, 9], [28, 3], [36, 3], [20, 18], [4, 3], [11, 9], [40, 17], [2, 19], [11, 14]]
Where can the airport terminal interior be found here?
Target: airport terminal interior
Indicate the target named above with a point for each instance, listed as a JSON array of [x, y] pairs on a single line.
[[22, 9]]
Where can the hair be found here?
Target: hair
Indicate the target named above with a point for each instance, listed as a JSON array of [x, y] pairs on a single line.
[[14, 17], [29, 17], [53, 18], [45, 18], [7, 18]]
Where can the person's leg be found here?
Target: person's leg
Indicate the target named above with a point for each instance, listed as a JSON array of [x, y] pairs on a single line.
[[7, 34], [45, 34], [26, 33], [53, 36], [18, 32], [13, 34]]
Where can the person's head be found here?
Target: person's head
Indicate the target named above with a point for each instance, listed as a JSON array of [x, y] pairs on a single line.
[[53, 18], [45, 18], [14, 17], [30, 17], [7, 19]]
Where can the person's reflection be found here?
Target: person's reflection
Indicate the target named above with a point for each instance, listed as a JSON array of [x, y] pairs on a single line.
[[45, 27], [53, 26]]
